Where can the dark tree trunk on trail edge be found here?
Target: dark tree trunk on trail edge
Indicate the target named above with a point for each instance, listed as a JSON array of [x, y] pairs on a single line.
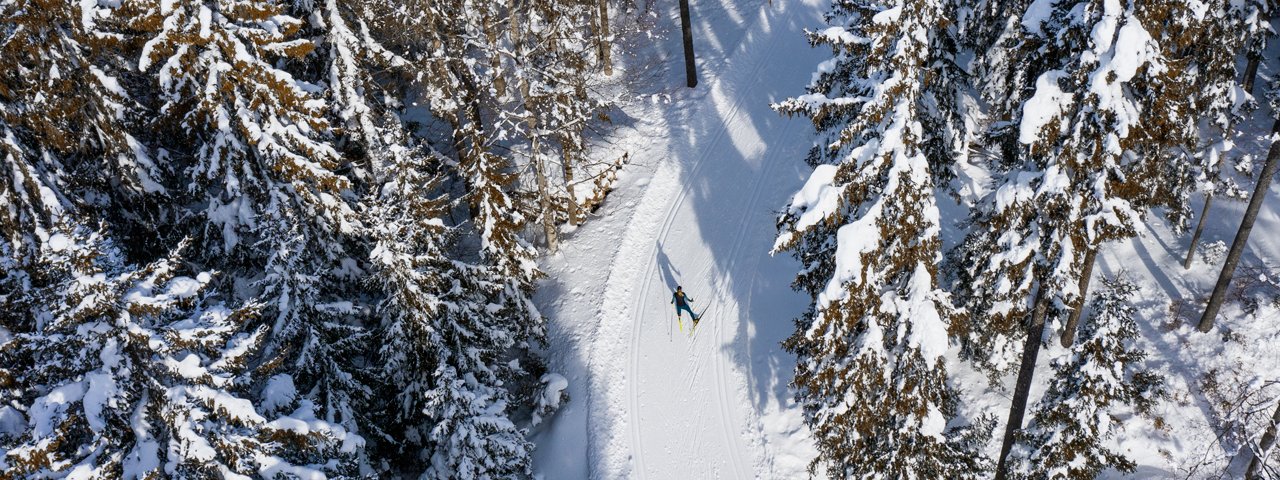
[[1069, 332], [1264, 447], [686, 28], [1195, 237], [1242, 235], [1021, 390]]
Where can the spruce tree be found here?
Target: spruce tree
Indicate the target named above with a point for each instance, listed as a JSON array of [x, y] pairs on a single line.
[[64, 123], [267, 133], [1216, 93], [347, 58], [870, 373], [273, 214], [1178, 84], [460, 86], [442, 349], [130, 372], [1251, 20], [1101, 379], [455, 85]]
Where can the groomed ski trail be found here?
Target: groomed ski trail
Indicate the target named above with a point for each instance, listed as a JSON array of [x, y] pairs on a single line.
[[664, 404]]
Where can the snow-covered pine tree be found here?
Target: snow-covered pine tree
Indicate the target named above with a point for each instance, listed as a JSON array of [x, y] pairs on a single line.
[[442, 350], [1090, 141], [346, 59], [456, 79], [129, 372], [1252, 19], [1171, 89], [28, 194], [442, 354], [870, 373], [114, 175], [273, 214], [1079, 175], [454, 410], [455, 85], [984, 27], [1101, 379], [67, 117]]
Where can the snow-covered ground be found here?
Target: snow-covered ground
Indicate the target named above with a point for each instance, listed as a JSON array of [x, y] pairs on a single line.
[[709, 168]]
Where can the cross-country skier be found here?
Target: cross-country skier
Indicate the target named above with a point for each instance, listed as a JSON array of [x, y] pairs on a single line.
[[682, 302]]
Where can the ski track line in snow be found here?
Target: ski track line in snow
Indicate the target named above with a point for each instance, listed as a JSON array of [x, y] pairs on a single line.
[[718, 314], [723, 369], [610, 385], [745, 305], [724, 407], [724, 366]]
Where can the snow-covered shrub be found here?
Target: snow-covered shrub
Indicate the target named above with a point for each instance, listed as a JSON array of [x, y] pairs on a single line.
[[549, 399], [1213, 252]]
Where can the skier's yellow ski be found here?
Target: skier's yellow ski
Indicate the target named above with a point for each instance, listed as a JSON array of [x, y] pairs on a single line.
[[694, 327]]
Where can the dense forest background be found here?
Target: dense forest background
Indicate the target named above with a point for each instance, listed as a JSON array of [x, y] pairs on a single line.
[[264, 238]]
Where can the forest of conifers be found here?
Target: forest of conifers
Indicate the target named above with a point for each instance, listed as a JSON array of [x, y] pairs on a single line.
[[300, 238]]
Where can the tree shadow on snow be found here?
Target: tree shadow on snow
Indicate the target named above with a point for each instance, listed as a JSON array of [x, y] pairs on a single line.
[[740, 163]]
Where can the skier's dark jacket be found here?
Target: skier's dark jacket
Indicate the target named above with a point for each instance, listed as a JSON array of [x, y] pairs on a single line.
[[678, 297]]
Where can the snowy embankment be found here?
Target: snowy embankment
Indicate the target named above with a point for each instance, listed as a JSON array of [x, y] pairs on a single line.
[[710, 166]]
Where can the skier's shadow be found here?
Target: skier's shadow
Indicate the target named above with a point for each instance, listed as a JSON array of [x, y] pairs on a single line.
[[669, 272]]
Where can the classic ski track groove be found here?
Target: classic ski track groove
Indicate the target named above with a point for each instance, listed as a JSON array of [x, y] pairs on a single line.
[[722, 288], [766, 172], [620, 303], [643, 298]]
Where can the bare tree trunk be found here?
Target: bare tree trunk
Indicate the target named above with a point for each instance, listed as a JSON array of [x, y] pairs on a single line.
[[604, 46], [686, 28], [1264, 447], [1073, 319], [1242, 235], [540, 174], [1022, 390], [575, 213], [1195, 237], [544, 199]]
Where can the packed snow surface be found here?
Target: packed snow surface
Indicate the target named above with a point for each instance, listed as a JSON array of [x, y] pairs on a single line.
[[711, 167]]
